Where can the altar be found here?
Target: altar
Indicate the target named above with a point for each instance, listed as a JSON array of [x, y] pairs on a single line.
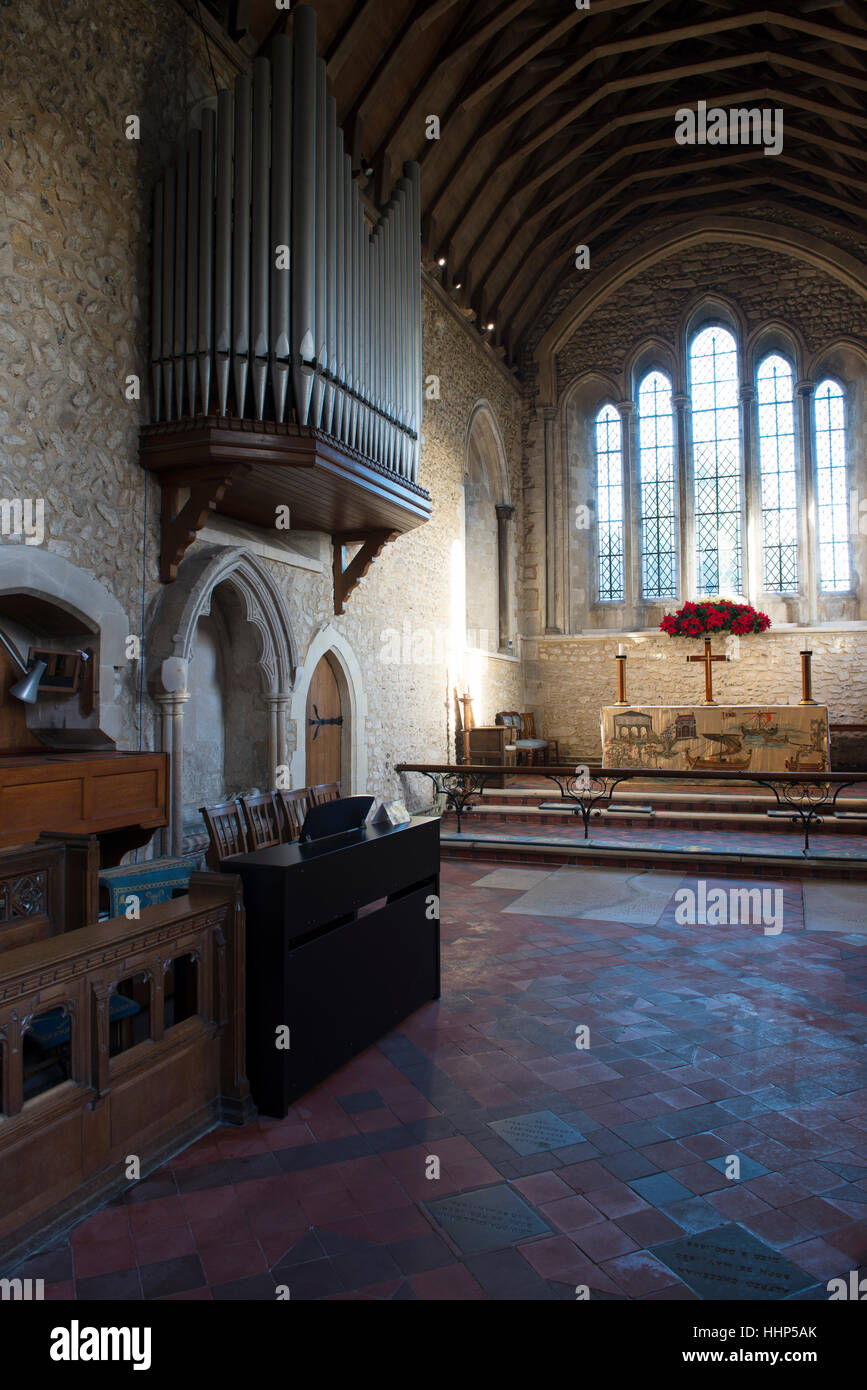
[[717, 738]]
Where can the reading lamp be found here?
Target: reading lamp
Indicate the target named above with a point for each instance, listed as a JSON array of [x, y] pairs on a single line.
[[26, 689]]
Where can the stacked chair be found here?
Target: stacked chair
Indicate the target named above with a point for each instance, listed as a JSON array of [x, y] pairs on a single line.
[[263, 819]]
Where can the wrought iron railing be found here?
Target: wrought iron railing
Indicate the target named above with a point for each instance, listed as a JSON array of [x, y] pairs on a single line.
[[802, 797]]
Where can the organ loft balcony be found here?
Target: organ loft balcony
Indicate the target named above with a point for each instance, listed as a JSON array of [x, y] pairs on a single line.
[[286, 325]]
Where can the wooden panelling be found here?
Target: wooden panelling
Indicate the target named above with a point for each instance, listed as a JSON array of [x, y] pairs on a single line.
[[81, 793], [14, 732], [61, 1153]]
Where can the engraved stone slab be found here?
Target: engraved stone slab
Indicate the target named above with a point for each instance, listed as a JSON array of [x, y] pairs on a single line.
[[534, 1134], [729, 1263], [513, 878], [599, 895], [834, 907], [487, 1219]]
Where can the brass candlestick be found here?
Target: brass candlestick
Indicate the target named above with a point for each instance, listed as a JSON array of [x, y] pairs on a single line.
[[621, 677], [807, 678]]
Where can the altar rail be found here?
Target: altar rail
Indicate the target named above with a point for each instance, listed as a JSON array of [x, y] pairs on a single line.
[[805, 798], [66, 1149]]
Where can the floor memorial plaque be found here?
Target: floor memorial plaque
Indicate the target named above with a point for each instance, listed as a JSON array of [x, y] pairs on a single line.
[[729, 1263], [487, 1219], [534, 1134]]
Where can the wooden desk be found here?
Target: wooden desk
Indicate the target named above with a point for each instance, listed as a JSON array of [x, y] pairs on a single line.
[[327, 958], [123, 797]]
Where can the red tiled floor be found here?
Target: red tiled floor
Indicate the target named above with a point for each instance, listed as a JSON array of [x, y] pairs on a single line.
[[543, 1187], [571, 1213], [452, 1283], [699, 1051]]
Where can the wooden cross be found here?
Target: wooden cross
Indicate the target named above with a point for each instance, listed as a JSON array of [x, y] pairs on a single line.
[[707, 659]]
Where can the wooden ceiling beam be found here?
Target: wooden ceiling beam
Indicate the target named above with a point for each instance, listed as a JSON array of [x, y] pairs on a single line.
[[524, 184], [412, 27], [453, 54], [498, 165], [708, 29], [524, 54]]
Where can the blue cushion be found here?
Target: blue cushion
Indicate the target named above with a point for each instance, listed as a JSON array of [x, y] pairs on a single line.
[[153, 881]]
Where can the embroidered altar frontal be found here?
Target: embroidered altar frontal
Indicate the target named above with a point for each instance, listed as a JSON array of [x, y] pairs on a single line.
[[721, 738]]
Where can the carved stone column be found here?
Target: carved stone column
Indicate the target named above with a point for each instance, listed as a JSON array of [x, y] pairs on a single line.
[[277, 748], [686, 519], [752, 547], [554, 587], [808, 521], [505, 513], [172, 708], [631, 514]]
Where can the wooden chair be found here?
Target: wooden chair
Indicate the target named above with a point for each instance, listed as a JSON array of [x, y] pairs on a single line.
[[550, 753], [522, 728], [263, 823], [225, 831], [294, 807], [326, 791]]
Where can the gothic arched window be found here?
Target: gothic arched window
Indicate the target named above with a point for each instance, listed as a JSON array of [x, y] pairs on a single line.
[[832, 488], [609, 504], [779, 475], [716, 452], [657, 487]]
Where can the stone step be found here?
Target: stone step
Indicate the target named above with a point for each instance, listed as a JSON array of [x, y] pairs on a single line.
[[511, 849], [663, 816]]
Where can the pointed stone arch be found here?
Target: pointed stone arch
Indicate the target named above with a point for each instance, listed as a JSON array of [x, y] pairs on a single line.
[[488, 533], [171, 635]]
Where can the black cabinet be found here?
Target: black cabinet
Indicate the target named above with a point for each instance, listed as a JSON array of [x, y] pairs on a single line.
[[342, 943]]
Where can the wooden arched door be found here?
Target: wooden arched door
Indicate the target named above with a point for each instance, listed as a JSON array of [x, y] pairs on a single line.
[[324, 727]]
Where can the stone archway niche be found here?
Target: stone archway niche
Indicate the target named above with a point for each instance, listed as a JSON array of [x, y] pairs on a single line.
[[221, 636], [44, 575]]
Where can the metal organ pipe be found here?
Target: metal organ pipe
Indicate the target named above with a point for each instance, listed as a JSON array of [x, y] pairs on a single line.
[[223, 249], [321, 242], [241, 242], [206, 260], [194, 148], [168, 295], [304, 211], [266, 271], [260, 232], [180, 279], [281, 221], [339, 367], [157, 301], [330, 259]]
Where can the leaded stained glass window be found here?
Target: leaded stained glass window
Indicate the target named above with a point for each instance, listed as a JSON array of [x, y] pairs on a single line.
[[779, 475], [832, 488], [713, 363], [657, 484], [609, 503]]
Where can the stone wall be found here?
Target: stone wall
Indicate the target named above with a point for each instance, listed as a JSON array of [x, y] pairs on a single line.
[[74, 323], [74, 273], [765, 285], [570, 678]]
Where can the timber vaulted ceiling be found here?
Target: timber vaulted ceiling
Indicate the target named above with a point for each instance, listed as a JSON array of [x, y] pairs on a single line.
[[557, 124]]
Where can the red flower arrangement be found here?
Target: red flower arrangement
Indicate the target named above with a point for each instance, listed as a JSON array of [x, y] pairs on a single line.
[[714, 615]]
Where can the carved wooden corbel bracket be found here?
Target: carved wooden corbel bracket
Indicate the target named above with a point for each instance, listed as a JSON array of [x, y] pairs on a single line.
[[346, 579], [180, 526]]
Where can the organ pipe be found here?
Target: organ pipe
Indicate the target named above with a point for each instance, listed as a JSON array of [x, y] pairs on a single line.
[[272, 296]]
